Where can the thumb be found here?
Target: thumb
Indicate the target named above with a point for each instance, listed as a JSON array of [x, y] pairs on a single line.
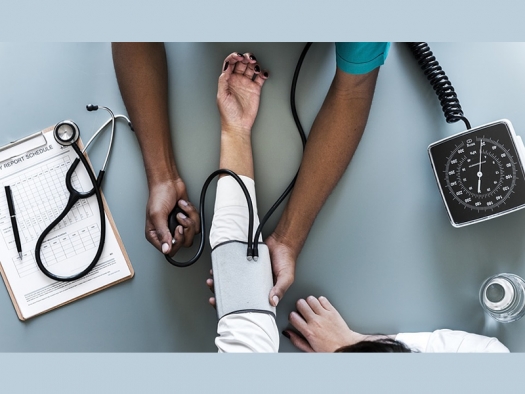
[[298, 341], [283, 281], [224, 78], [160, 224]]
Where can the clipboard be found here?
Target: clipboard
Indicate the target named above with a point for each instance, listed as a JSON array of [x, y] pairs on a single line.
[[26, 165]]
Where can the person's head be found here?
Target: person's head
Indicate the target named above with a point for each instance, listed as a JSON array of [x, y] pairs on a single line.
[[382, 345]]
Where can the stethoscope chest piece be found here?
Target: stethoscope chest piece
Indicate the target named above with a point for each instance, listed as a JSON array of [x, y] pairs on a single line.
[[66, 132]]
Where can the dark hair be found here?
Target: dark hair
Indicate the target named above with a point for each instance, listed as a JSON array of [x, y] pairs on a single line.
[[383, 345]]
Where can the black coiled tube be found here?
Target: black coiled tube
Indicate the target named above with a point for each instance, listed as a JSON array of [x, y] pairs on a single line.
[[439, 81]]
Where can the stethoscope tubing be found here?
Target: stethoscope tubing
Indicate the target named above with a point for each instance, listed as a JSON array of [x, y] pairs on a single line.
[[74, 196], [112, 120], [249, 253]]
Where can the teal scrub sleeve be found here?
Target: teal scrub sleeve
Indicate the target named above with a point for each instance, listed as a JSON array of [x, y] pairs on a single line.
[[360, 57]]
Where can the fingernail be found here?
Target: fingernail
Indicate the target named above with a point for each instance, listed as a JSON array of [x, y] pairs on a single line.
[[225, 66], [253, 57], [165, 248], [286, 334], [181, 215], [184, 202], [265, 74], [239, 54], [275, 300], [181, 231], [257, 68]]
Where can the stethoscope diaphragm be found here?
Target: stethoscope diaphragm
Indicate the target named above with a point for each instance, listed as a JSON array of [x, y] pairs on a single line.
[[66, 132]]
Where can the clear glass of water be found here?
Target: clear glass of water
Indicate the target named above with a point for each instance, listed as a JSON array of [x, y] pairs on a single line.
[[502, 296]]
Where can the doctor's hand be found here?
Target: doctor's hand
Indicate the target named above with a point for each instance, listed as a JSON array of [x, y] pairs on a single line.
[[162, 199], [239, 92], [283, 267], [209, 282]]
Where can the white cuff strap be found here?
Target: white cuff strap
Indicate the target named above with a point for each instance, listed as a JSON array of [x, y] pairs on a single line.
[[241, 285]]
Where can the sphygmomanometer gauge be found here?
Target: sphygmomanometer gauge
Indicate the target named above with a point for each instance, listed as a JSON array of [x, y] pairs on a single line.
[[480, 172]]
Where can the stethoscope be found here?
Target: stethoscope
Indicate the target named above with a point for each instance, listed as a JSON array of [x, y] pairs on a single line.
[[66, 133]]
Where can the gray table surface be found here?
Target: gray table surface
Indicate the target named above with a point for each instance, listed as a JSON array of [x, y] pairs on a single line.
[[382, 249]]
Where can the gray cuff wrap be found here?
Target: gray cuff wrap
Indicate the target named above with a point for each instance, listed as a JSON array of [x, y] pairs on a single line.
[[241, 285]]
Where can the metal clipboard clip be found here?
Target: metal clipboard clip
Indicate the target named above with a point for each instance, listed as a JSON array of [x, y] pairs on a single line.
[[23, 145]]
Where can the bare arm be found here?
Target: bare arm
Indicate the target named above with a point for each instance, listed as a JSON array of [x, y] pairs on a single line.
[[142, 75], [238, 96], [331, 144], [238, 99]]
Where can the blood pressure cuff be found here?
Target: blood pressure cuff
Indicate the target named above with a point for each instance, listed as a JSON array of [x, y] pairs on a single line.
[[241, 285]]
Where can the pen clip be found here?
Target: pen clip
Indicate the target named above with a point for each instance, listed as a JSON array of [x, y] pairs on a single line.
[[9, 197]]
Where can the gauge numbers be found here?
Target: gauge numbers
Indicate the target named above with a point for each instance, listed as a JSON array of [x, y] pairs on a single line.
[[479, 173]]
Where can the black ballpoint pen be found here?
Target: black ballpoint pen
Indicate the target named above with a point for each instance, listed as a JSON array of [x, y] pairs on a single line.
[[12, 213]]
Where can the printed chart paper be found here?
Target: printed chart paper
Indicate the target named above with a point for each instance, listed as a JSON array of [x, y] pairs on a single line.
[[37, 180]]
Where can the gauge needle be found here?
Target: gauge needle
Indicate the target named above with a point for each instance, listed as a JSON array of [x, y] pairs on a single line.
[[480, 174], [476, 164]]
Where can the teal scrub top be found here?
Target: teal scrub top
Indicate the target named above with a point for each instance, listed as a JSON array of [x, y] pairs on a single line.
[[360, 57]]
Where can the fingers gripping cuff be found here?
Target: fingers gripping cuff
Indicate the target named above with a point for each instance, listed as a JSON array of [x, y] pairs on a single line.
[[241, 285]]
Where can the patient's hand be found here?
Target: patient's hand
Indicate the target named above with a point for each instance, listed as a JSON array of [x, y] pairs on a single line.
[[321, 326], [239, 92]]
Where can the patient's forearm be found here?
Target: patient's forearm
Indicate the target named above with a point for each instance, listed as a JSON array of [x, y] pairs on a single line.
[[236, 153]]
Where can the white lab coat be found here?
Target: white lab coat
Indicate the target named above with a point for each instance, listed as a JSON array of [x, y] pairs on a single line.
[[257, 332], [449, 341]]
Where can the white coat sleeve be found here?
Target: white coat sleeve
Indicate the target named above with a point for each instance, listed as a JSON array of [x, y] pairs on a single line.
[[451, 341], [241, 332]]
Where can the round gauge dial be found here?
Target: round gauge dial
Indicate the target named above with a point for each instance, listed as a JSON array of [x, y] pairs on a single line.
[[480, 173]]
